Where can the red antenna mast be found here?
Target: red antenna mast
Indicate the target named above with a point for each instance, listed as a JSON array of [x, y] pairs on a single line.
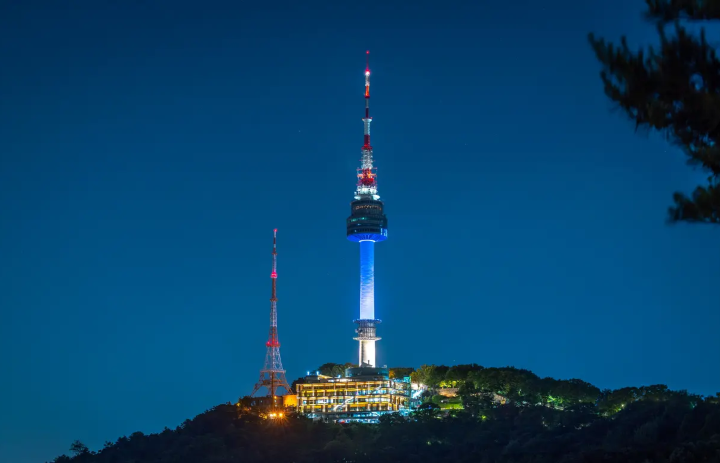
[[367, 181], [272, 376]]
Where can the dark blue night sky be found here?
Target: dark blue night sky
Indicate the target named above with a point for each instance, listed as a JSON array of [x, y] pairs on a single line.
[[148, 149]]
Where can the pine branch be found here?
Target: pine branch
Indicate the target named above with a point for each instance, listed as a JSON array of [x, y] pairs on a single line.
[[673, 10], [704, 207], [675, 91]]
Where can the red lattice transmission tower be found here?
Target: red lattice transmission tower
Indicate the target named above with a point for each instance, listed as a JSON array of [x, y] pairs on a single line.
[[272, 376]]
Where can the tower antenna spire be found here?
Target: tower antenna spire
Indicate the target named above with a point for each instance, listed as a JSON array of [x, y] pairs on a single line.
[[272, 375], [367, 181]]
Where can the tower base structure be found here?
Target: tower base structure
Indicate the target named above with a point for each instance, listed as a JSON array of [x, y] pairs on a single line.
[[366, 336], [272, 380]]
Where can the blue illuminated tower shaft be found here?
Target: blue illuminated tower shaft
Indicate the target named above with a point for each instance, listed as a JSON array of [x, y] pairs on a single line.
[[367, 280], [366, 329], [366, 225]]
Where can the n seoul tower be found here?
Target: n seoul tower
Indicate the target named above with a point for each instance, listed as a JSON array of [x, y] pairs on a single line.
[[367, 225]]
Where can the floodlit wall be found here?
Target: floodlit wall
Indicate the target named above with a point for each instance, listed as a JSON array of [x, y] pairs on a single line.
[[344, 395]]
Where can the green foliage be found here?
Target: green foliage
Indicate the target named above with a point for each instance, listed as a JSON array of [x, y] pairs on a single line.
[[518, 386], [430, 375], [424, 375], [446, 403], [514, 384], [570, 392], [334, 369], [452, 403], [400, 372], [459, 373], [478, 387], [674, 90]]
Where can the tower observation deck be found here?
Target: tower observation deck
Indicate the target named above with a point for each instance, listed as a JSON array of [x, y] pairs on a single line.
[[367, 225]]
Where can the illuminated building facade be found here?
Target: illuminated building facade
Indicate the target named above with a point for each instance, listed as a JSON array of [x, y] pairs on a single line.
[[362, 395]]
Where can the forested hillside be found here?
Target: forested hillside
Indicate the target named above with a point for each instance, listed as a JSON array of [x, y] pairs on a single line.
[[537, 420]]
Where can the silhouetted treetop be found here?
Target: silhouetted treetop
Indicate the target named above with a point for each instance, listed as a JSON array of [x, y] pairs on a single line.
[[675, 90]]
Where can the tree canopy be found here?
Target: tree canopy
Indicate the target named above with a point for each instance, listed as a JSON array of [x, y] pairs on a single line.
[[334, 369], [674, 90]]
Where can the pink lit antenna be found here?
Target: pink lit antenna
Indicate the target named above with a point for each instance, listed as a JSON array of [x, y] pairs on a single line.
[[367, 182], [272, 376], [274, 262]]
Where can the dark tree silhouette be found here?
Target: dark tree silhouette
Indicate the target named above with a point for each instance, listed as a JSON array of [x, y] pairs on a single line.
[[674, 90], [78, 448]]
